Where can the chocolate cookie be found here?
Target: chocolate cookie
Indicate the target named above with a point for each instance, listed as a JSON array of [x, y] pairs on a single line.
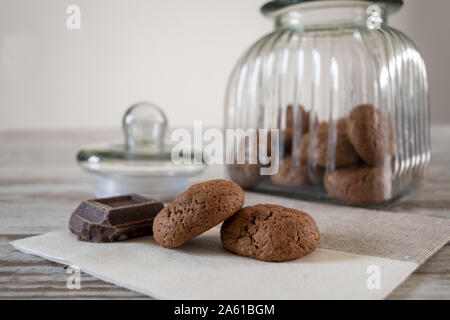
[[196, 210], [299, 174], [291, 174], [343, 153], [247, 176], [303, 118], [359, 186], [304, 148], [371, 133], [270, 233]]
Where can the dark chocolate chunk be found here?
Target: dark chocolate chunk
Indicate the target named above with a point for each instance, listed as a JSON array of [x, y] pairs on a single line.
[[115, 218], [92, 232]]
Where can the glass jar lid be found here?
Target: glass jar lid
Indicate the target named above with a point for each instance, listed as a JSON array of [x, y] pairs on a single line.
[[144, 152]]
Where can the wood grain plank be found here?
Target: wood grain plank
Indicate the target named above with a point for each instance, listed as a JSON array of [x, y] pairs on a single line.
[[424, 287], [27, 276]]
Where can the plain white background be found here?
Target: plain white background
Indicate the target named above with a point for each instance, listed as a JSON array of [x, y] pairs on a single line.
[[176, 53]]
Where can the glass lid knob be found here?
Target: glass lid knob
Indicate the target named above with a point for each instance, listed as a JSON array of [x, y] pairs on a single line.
[[144, 125]]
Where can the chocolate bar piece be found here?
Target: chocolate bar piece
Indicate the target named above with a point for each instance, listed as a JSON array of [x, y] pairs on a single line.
[[115, 218]]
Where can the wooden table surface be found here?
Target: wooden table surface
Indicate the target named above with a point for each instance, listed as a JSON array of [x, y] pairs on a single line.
[[40, 184]]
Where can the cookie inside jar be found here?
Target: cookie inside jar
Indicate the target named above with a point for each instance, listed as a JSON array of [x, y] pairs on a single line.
[[368, 182], [251, 155], [295, 168], [349, 158]]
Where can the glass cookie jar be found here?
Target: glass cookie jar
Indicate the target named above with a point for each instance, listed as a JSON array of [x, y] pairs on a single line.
[[348, 95]]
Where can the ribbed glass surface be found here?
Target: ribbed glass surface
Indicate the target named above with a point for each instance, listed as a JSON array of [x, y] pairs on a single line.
[[322, 75]]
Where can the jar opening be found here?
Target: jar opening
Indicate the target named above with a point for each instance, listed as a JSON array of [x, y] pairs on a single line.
[[326, 14], [273, 7]]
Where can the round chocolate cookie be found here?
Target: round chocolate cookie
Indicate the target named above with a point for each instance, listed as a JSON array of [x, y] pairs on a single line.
[[270, 232], [343, 153], [292, 175], [303, 118], [371, 133], [247, 176], [304, 148], [359, 186], [299, 174], [196, 210]]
